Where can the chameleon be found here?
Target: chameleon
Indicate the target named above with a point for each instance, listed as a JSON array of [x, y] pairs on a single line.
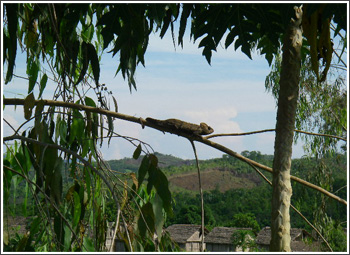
[[182, 126]]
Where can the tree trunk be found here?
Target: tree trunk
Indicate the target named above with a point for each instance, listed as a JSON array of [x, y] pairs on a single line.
[[287, 105]]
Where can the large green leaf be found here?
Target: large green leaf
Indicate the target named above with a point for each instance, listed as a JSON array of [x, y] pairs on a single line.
[[93, 57], [88, 245], [33, 67], [143, 169], [89, 102], [76, 209], [85, 62], [157, 205], [162, 186], [186, 11], [43, 82], [12, 21], [77, 127], [56, 181], [146, 220]]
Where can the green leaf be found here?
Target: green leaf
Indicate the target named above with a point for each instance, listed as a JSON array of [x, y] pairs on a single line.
[[76, 209], [25, 201], [88, 245], [67, 238], [143, 169], [89, 102], [110, 127], [77, 127], [21, 246], [230, 37], [94, 62], [62, 131], [12, 21], [157, 205], [38, 110], [56, 181], [29, 103], [43, 82], [162, 186], [85, 62], [32, 71], [137, 152], [115, 104], [87, 179], [59, 230], [146, 219], [186, 11]]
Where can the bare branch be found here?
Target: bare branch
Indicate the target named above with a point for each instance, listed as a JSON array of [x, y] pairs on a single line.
[[272, 130], [201, 194]]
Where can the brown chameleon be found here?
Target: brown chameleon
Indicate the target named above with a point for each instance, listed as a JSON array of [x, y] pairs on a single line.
[[182, 126]]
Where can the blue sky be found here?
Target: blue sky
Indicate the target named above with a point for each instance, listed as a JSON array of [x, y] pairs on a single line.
[[229, 96]]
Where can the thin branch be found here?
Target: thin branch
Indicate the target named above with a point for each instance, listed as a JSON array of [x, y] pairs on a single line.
[[201, 194], [143, 122], [272, 130]]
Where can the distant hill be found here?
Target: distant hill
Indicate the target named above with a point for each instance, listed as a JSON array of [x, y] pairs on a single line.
[[215, 178], [225, 173], [127, 165], [221, 173]]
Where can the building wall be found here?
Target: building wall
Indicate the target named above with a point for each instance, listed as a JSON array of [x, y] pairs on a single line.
[[214, 247], [193, 246]]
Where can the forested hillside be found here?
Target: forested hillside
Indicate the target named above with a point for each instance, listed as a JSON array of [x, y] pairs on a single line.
[[234, 188]]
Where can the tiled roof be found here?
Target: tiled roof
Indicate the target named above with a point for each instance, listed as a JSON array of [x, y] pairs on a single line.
[[222, 235], [180, 233]]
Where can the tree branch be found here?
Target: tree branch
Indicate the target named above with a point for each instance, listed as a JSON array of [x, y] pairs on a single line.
[[143, 122], [272, 130]]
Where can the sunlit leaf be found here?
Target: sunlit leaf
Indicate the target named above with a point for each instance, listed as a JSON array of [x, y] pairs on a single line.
[[157, 205], [90, 102], [67, 238]]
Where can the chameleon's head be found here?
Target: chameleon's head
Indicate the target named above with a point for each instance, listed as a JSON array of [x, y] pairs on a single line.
[[206, 130]]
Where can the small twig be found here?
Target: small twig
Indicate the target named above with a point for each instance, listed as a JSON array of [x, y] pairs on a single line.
[[200, 192]]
